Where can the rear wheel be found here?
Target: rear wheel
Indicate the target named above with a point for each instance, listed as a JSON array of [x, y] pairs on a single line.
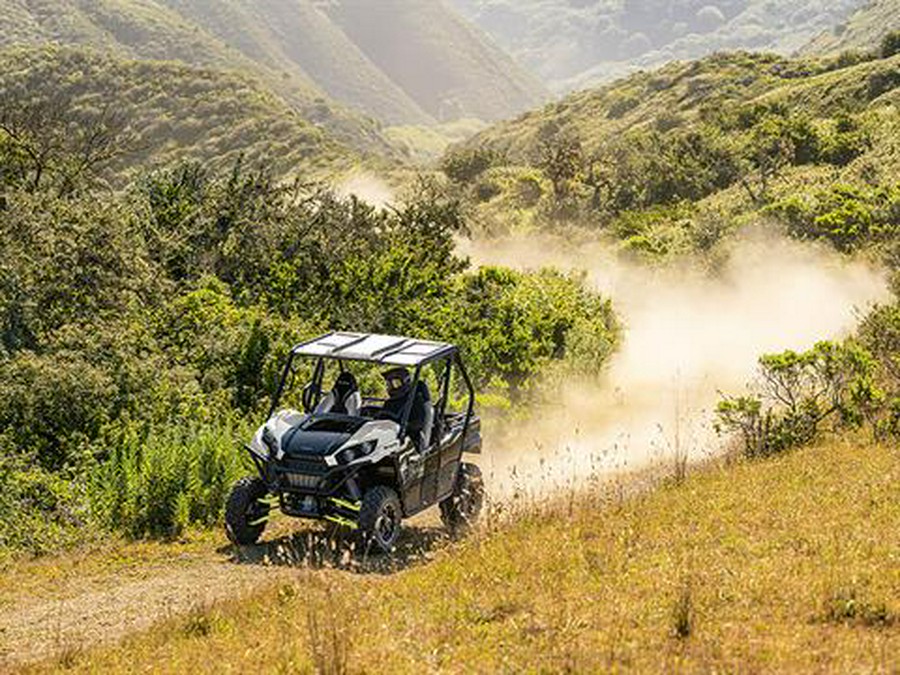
[[380, 516], [462, 509], [245, 514]]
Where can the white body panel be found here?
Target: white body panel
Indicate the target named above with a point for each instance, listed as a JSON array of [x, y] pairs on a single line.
[[384, 433]]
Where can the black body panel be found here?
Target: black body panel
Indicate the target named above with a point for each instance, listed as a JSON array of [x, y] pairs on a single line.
[[320, 435], [433, 473]]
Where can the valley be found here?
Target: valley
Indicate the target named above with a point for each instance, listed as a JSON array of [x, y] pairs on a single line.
[[668, 251]]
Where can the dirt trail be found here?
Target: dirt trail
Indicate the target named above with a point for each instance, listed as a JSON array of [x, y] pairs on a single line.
[[43, 628], [108, 603], [686, 339]]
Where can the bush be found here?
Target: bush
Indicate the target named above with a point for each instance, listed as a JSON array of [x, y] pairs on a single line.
[[890, 44], [40, 511], [851, 57], [882, 81], [798, 393], [848, 216], [159, 481], [512, 325], [621, 105], [50, 406], [647, 169], [465, 165], [849, 140]]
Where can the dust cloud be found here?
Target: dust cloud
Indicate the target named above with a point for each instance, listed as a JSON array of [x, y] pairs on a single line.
[[367, 188], [688, 335]]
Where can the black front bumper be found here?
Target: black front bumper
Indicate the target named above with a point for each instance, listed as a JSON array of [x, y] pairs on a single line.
[[307, 487]]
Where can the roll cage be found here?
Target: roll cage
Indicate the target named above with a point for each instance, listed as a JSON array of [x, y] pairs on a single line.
[[386, 350]]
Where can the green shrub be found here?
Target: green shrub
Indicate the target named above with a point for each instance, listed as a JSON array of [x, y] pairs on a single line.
[[621, 105], [486, 190], [848, 216], [158, 481], [849, 140], [40, 511], [644, 169], [51, 405], [797, 394], [465, 165], [882, 81], [890, 44], [879, 332], [851, 57], [529, 191], [512, 325]]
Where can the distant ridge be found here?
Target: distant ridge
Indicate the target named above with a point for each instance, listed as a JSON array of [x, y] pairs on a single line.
[[175, 112], [293, 36], [450, 67], [863, 31], [397, 61]]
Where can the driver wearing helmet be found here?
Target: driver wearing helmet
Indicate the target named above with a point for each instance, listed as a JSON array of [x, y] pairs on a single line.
[[399, 387]]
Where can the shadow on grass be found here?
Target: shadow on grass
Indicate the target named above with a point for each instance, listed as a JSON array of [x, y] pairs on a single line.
[[337, 549]]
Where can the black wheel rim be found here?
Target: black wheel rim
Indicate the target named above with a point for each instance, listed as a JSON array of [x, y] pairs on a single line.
[[255, 510], [386, 526]]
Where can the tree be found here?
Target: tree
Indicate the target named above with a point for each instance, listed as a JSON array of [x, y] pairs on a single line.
[[48, 143], [890, 44], [560, 157], [463, 166], [770, 150]]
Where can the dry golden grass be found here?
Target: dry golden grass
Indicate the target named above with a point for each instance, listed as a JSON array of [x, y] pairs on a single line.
[[789, 565]]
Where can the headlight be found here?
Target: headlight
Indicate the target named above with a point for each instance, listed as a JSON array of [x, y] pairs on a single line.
[[357, 451]]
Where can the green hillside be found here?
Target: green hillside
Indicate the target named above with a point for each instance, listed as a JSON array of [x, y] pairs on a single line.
[[577, 43], [783, 566], [170, 111], [690, 93], [446, 64], [862, 31], [146, 29], [671, 161], [295, 37], [308, 52]]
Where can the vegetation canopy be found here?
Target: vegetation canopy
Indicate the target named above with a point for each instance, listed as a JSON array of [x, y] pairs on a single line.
[[142, 328]]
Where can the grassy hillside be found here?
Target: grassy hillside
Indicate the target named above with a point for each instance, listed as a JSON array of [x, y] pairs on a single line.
[[777, 566], [447, 65], [172, 112], [863, 31], [684, 94], [296, 37], [309, 53], [672, 161], [147, 29], [576, 43]]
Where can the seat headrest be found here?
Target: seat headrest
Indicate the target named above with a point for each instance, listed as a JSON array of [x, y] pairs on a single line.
[[344, 385]]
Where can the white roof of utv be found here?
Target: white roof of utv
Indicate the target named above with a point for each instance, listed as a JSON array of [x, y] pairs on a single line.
[[385, 349]]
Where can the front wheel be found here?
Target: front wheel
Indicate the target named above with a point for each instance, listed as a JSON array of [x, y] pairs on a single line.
[[245, 513], [461, 509], [380, 516]]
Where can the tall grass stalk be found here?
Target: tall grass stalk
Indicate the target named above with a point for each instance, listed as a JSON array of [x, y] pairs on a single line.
[[158, 481]]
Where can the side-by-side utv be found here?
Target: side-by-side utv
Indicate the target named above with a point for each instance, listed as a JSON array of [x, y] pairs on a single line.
[[360, 461]]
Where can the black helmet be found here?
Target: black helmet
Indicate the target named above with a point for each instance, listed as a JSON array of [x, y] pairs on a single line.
[[398, 382]]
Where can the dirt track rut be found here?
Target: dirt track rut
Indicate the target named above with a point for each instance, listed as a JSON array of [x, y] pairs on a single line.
[[32, 631]]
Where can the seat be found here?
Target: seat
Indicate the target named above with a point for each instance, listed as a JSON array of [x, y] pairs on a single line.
[[344, 397], [428, 427]]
